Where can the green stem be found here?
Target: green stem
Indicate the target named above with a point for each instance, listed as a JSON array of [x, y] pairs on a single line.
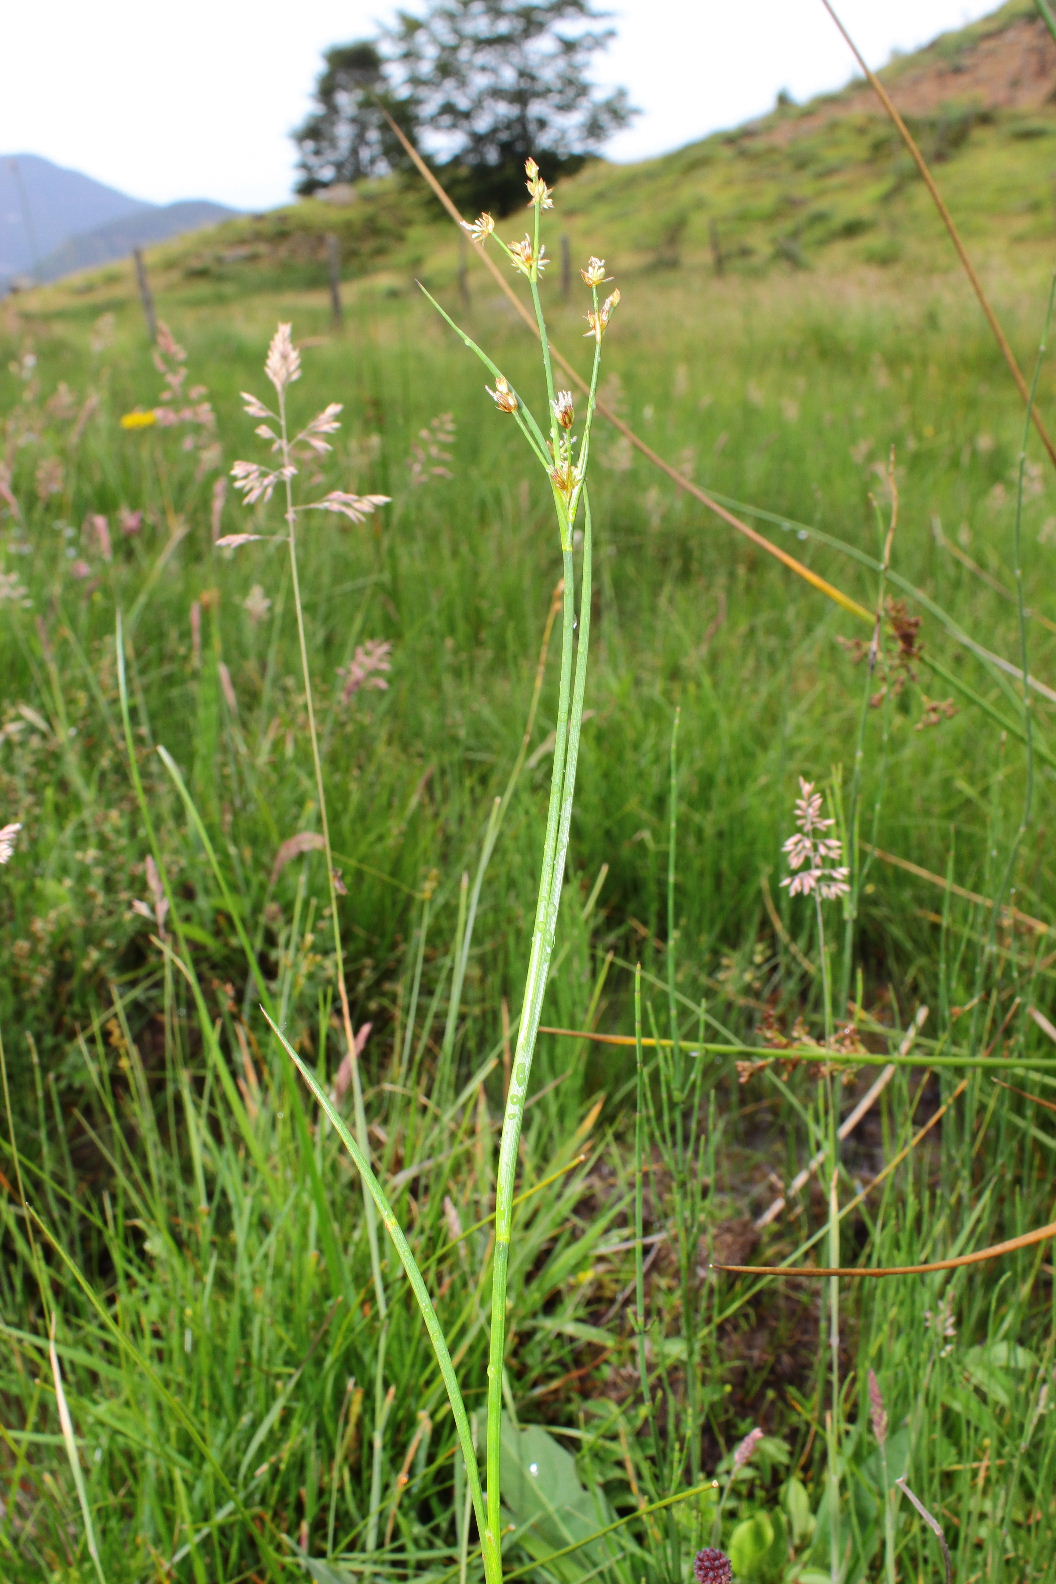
[[639, 1194], [324, 821], [538, 965], [826, 984], [559, 817]]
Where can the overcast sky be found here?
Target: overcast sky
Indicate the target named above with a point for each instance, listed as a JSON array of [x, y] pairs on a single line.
[[196, 99]]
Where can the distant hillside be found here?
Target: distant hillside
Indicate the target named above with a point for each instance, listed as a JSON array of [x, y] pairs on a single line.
[[42, 205], [54, 221], [1004, 62], [829, 181], [117, 238]]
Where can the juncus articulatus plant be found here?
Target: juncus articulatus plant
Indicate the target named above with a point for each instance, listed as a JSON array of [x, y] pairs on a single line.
[[562, 455]]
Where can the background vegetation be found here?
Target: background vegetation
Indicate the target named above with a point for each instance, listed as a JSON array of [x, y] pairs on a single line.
[[239, 1407]]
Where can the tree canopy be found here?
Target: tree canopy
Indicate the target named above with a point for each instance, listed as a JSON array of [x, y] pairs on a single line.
[[479, 85], [347, 137]]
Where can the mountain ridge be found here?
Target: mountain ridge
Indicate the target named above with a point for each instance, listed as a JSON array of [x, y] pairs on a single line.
[[55, 220]]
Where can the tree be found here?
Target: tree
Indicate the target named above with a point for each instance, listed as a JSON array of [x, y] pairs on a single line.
[[347, 137], [493, 81]]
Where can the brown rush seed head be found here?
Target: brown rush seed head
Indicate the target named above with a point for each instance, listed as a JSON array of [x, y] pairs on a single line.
[[594, 274], [599, 321], [541, 194], [523, 256], [712, 1567], [567, 478], [564, 410], [479, 229], [504, 398]]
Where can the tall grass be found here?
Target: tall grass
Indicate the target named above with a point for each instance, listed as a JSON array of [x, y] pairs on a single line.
[[213, 1371]]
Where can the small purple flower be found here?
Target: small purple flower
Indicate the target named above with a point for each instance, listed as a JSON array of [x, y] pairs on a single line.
[[712, 1567]]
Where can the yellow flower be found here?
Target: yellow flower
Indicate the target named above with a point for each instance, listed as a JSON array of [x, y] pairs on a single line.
[[138, 420]]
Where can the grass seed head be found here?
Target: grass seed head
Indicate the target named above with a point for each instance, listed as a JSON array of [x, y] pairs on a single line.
[[8, 837], [816, 860], [283, 364], [598, 319]]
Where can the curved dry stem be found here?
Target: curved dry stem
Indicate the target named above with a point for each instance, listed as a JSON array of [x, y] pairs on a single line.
[[937, 199]]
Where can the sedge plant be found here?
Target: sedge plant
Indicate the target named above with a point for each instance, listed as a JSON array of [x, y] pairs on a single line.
[[563, 459]]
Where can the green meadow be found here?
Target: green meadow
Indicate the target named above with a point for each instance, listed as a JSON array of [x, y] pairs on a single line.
[[212, 1368]]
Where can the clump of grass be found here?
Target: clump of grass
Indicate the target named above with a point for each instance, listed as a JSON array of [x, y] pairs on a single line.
[[216, 1208], [564, 462]]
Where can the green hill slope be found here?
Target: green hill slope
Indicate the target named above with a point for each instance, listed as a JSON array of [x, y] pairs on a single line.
[[827, 183]]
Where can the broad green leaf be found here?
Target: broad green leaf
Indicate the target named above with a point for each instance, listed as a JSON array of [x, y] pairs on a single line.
[[550, 1506], [750, 1545], [796, 1503]]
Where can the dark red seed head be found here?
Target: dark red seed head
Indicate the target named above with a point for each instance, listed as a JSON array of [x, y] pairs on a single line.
[[713, 1567]]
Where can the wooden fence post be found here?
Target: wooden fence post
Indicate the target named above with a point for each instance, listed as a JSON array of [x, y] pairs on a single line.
[[717, 256], [333, 263], [146, 296]]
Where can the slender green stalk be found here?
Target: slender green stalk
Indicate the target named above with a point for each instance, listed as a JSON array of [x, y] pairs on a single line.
[[324, 822], [888, 1497], [567, 485], [832, 1417], [1047, 15], [826, 974], [639, 1193], [566, 469], [672, 875], [559, 815], [69, 1438], [1027, 702]]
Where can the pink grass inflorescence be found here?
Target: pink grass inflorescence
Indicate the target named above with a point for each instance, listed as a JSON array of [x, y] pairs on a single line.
[[815, 859]]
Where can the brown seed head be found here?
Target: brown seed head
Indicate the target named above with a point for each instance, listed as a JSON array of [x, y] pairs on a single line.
[[594, 274], [480, 229], [504, 397], [564, 409]]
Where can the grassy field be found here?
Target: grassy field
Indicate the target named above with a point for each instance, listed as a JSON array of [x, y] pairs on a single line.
[[211, 1368]]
